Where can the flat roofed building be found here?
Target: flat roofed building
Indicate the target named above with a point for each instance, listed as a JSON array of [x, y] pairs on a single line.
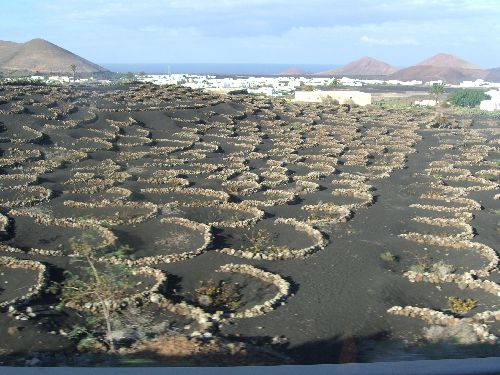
[[492, 104]]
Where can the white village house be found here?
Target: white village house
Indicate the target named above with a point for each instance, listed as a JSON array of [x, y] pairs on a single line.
[[492, 104], [426, 102], [358, 97]]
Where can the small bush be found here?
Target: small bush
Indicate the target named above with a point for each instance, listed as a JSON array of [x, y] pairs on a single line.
[[349, 102], [419, 268], [387, 256], [461, 306], [329, 100], [442, 122], [218, 296], [89, 344], [442, 268], [438, 176], [261, 241]]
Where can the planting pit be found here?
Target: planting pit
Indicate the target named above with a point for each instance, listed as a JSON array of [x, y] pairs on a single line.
[[164, 240], [228, 215], [323, 213], [42, 235], [230, 293], [15, 282]]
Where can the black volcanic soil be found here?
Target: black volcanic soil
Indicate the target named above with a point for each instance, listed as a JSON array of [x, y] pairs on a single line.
[[120, 140]]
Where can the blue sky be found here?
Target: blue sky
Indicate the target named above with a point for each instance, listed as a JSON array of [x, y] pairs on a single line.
[[400, 32]]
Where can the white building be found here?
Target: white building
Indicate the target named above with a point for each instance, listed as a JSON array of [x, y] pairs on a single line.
[[358, 97], [269, 91], [436, 82], [403, 83], [426, 102], [61, 79], [492, 104], [346, 81], [476, 83]]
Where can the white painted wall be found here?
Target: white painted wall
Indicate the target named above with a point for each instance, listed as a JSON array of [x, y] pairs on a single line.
[[358, 97], [492, 104], [426, 102]]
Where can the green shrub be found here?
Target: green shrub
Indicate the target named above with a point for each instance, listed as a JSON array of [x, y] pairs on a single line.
[[89, 344], [218, 296], [387, 256], [438, 176], [419, 268], [467, 98], [329, 100], [477, 112], [442, 268], [461, 306], [442, 122]]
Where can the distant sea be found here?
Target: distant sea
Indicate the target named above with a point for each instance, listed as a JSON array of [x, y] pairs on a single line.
[[215, 69]]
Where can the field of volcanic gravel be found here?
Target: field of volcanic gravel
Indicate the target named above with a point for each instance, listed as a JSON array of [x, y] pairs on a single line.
[[302, 230]]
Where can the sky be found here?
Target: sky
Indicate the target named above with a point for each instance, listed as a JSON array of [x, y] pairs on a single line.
[[399, 32]]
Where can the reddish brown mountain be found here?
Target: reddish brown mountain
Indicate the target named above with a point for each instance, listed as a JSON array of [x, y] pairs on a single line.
[[38, 55], [293, 71], [493, 75], [446, 67], [446, 60], [366, 66], [7, 49], [434, 73]]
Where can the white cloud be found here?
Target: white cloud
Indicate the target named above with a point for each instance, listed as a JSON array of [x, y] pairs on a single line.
[[170, 31], [402, 41]]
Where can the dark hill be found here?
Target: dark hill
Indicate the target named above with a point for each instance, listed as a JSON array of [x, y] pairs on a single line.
[[366, 66], [446, 67], [39, 55]]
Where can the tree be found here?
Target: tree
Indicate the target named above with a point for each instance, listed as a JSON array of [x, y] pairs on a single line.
[[468, 98], [335, 83], [129, 77], [103, 287], [73, 69], [437, 90]]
